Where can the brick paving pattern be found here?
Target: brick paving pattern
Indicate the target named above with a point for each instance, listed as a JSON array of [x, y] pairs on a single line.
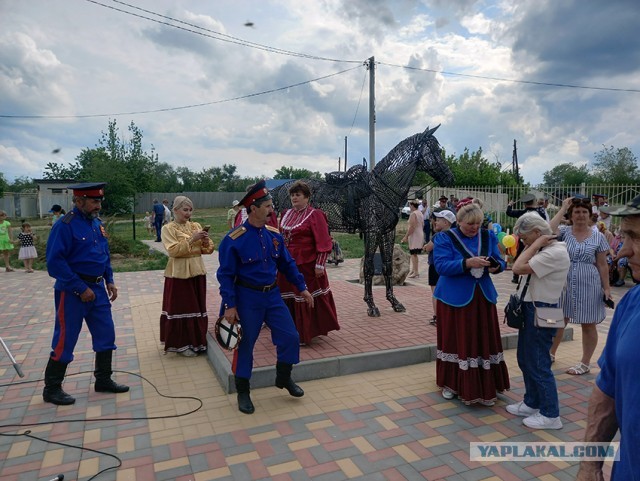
[[389, 424]]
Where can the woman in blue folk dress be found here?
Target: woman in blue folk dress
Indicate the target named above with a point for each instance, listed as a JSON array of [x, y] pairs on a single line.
[[470, 360]]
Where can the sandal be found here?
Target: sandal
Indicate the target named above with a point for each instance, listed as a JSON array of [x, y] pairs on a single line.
[[579, 369], [433, 321]]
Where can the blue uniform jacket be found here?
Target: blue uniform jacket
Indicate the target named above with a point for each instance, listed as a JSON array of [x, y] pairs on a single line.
[[78, 245], [254, 255], [456, 285]]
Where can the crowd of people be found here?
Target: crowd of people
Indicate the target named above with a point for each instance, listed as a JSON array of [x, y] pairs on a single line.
[[272, 272]]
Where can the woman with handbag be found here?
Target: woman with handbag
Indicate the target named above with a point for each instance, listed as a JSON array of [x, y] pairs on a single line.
[[470, 360], [546, 262]]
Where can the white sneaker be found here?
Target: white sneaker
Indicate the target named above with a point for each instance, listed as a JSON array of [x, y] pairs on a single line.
[[188, 353], [447, 394], [521, 409], [538, 421], [486, 403]]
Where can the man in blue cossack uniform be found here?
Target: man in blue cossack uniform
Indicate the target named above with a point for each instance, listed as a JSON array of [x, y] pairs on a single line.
[[78, 259], [250, 257]]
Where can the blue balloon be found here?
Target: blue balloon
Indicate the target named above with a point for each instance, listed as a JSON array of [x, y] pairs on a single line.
[[497, 228]]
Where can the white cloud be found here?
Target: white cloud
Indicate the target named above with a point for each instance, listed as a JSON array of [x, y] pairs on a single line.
[[12, 160], [93, 60]]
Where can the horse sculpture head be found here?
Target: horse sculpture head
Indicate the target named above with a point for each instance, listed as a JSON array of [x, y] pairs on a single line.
[[420, 152], [432, 159], [358, 200]]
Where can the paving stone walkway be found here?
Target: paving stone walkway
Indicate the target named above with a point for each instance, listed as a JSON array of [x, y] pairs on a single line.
[[387, 424]]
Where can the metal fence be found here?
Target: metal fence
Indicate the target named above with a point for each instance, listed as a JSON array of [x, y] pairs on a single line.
[[496, 198], [21, 205], [201, 200]]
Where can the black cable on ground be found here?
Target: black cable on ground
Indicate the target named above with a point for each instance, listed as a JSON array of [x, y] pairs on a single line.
[[28, 434]]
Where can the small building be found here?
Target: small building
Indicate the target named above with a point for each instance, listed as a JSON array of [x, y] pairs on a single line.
[[54, 191]]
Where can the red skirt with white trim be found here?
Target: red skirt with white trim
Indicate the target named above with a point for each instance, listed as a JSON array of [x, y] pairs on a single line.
[[470, 360], [184, 320], [318, 321]]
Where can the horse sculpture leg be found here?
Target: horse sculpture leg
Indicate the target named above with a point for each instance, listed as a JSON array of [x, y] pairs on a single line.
[[369, 252], [386, 249]]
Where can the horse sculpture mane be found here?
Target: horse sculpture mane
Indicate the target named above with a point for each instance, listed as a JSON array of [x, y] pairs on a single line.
[[369, 202]]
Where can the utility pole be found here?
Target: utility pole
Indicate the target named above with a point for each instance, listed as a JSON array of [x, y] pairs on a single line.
[[345, 153], [514, 163], [372, 113]]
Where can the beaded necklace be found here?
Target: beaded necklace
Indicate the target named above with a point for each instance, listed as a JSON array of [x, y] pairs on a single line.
[[291, 216]]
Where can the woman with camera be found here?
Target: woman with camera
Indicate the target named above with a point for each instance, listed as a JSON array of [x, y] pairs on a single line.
[[184, 320], [545, 263], [470, 360]]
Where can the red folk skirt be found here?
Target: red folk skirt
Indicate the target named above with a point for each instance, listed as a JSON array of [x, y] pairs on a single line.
[[318, 321], [184, 320], [470, 360]]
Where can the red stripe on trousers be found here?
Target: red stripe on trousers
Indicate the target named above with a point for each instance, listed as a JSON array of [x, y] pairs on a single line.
[[57, 351]]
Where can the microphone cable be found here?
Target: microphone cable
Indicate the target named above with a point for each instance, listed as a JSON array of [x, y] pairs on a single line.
[[28, 434]]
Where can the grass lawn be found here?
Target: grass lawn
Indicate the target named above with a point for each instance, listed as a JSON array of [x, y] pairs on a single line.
[[129, 254]]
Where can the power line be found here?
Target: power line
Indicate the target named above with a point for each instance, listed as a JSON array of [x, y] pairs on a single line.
[[229, 38], [531, 82], [213, 34], [364, 78], [184, 107]]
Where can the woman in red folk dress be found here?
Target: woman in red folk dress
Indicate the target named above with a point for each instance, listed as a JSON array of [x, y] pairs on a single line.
[[306, 235]]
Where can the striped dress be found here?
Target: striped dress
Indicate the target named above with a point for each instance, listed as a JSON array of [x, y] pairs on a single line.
[[582, 297]]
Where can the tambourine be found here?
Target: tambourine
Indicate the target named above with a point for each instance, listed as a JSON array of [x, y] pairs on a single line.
[[227, 335]]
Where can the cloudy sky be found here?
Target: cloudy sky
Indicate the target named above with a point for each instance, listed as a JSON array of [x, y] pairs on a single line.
[[482, 69]]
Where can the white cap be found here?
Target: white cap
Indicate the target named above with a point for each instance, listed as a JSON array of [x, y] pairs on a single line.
[[234, 203], [446, 214]]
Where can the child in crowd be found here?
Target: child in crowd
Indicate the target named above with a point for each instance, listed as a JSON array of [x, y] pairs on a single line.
[[444, 219], [6, 246], [27, 251], [148, 223]]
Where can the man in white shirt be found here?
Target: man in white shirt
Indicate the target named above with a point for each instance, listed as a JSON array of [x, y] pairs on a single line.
[[167, 212]]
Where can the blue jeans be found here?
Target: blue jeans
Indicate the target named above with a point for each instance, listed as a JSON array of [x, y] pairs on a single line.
[[157, 223], [535, 363]]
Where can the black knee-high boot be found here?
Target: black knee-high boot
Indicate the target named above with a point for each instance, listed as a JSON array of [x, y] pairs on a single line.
[[103, 372], [53, 377], [244, 399], [283, 379]]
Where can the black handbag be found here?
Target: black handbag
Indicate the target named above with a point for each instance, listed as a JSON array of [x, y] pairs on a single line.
[[513, 312]]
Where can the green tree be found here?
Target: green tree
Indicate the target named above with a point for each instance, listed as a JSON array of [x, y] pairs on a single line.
[[130, 154], [23, 184], [122, 163], [567, 173], [187, 178], [294, 173], [165, 178], [54, 171], [3, 184], [97, 165], [472, 169], [616, 166], [229, 178]]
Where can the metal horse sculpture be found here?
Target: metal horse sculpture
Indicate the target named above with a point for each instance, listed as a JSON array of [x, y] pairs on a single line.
[[369, 202]]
